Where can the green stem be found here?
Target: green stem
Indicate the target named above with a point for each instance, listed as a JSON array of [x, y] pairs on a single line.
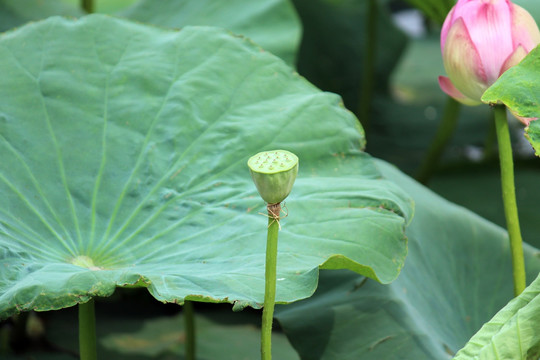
[[88, 6], [443, 135], [4, 340], [87, 331], [189, 324], [270, 281], [509, 198], [366, 91]]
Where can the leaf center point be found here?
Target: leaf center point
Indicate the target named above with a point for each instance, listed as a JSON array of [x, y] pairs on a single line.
[[85, 262]]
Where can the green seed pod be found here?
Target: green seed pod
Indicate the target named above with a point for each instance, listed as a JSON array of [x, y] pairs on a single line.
[[273, 173]]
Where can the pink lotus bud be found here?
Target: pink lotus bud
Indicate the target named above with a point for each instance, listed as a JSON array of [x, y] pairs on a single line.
[[481, 39]]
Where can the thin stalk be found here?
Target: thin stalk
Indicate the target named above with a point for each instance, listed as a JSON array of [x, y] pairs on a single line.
[[88, 6], [368, 72], [4, 340], [443, 135], [509, 198], [87, 331], [189, 324], [270, 281]]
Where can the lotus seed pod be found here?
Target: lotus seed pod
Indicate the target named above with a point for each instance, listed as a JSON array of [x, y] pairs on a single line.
[[273, 173]]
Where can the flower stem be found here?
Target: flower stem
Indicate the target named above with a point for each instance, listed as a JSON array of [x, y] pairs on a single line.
[[88, 6], [189, 324], [509, 198], [5, 335], [270, 280], [443, 135], [87, 331], [366, 94]]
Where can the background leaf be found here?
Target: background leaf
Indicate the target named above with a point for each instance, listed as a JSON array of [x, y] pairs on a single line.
[[478, 187], [457, 276], [16, 13], [131, 325], [124, 162], [436, 10], [273, 24], [166, 335], [331, 55]]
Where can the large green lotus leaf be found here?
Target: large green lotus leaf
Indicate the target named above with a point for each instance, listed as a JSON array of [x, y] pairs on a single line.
[[124, 151], [273, 24], [456, 277], [519, 87], [513, 333]]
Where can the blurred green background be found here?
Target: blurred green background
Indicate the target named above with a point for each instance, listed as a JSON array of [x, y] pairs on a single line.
[[405, 113]]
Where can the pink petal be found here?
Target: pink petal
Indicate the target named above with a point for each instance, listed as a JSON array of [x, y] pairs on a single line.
[[514, 58], [489, 23], [524, 29], [450, 90], [462, 62]]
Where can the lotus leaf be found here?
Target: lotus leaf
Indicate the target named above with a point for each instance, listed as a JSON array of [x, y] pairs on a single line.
[[123, 163]]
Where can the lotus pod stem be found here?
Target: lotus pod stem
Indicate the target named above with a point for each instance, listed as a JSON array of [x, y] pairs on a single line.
[[270, 280], [274, 173]]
